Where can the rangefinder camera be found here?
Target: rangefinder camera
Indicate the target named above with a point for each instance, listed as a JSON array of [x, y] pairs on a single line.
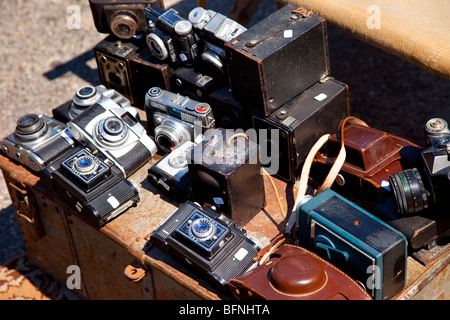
[[92, 186], [214, 29], [176, 118], [123, 18], [85, 97], [170, 37], [207, 242], [364, 247], [171, 175], [113, 130], [37, 140], [428, 185]]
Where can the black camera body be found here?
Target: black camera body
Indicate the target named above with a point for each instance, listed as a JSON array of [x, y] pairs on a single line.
[[225, 171], [123, 18], [206, 241], [129, 67], [194, 83], [277, 58], [428, 185], [300, 122], [92, 186], [170, 37], [37, 141], [85, 97], [228, 111]]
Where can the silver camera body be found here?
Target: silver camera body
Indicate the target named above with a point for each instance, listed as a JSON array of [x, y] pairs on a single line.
[[214, 26], [176, 118], [88, 95], [37, 140], [85, 97], [214, 29], [115, 131]]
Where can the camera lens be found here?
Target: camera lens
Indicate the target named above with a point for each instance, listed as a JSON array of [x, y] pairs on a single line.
[[85, 165], [124, 26], [30, 127], [169, 134], [178, 162], [157, 46], [113, 126], [86, 92], [202, 228], [409, 191]]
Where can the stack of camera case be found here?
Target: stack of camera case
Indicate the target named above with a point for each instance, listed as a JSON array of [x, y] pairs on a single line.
[[206, 83]]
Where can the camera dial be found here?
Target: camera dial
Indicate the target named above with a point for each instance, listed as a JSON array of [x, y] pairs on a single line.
[[157, 46], [30, 127], [436, 125]]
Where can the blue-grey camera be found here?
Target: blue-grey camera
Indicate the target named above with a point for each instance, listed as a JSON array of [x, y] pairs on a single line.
[[361, 245]]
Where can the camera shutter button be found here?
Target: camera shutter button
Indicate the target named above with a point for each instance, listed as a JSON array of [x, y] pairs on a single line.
[[183, 27], [202, 108]]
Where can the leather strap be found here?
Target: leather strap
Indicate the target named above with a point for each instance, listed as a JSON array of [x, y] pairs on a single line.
[[302, 183]]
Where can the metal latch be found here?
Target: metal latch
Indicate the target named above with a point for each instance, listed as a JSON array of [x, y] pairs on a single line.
[[26, 210], [135, 271]]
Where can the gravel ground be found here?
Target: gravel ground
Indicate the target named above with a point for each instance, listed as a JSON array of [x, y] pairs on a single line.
[[43, 62]]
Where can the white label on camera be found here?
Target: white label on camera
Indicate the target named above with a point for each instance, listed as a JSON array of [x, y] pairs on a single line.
[[321, 97], [288, 33], [218, 200], [183, 57], [165, 185], [240, 254], [386, 185], [113, 202]]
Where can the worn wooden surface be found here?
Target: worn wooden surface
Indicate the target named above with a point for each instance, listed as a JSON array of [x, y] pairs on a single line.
[[104, 254]]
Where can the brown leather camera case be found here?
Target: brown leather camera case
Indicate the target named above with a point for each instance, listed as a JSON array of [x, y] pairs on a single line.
[[371, 157], [294, 273]]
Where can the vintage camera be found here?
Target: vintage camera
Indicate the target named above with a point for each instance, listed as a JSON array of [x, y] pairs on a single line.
[[225, 171], [129, 68], [194, 83], [85, 97], [214, 30], [361, 245], [206, 241], [37, 140], [114, 131], [294, 128], [229, 112], [171, 175], [277, 58], [123, 18], [173, 118], [170, 37], [92, 185], [427, 186]]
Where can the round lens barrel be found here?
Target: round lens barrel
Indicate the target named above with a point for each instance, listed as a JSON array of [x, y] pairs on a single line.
[[409, 191], [30, 124]]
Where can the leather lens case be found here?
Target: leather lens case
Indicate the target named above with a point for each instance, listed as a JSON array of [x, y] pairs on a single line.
[[371, 157], [294, 273]]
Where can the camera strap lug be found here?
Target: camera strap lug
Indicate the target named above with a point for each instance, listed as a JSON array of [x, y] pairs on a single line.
[[26, 210]]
